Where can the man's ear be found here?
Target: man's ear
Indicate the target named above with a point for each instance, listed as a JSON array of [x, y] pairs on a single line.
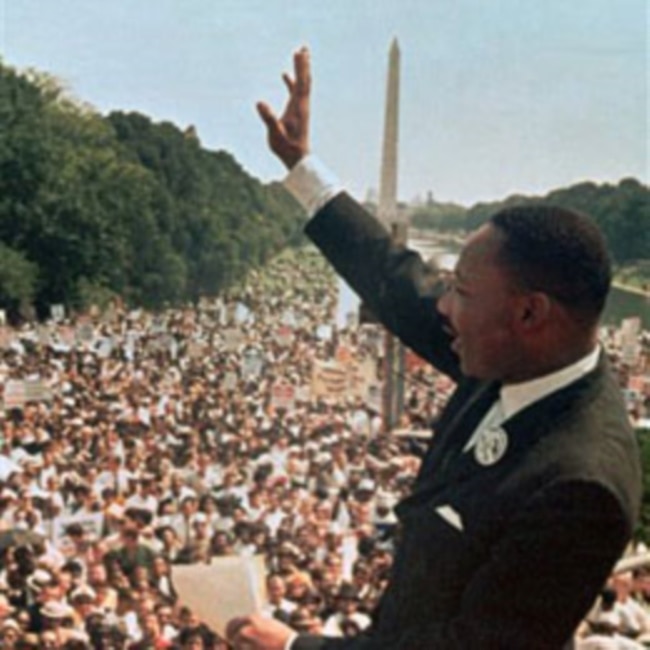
[[534, 310]]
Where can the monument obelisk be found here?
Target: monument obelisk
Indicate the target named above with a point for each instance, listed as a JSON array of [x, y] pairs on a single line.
[[388, 182], [393, 397]]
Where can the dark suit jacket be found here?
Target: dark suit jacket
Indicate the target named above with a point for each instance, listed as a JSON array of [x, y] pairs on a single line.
[[530, 539]]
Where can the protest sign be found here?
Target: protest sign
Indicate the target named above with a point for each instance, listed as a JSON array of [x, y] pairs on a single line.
[[242, 313], [18, 392], [284, 335], [252, 363], [230, 380], [283, 396], [232, 338], [92, 524], [85, 333], [324, 332], [196, 349], [57, 313], [328, 380], [14, 394]]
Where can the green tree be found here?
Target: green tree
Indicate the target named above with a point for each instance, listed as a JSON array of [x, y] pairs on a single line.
[[17, 279]]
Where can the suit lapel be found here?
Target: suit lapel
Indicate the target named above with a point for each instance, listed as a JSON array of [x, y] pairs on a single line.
[[525, 429], [456, 425]]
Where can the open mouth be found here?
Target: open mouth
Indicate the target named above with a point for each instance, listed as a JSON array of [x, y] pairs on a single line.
[[452, 334]]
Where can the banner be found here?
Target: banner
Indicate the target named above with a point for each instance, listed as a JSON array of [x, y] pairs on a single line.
[[14, 395], [37, 391], [18, 392], [91, 523], [328, 380]]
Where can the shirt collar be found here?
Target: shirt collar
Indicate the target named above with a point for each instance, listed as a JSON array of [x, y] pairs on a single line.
[[516, 397]]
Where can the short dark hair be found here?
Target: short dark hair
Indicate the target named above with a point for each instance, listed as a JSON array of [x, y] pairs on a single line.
[[559, 252]]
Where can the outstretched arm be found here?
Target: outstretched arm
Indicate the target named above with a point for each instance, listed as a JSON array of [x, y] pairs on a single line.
[[288, 135]]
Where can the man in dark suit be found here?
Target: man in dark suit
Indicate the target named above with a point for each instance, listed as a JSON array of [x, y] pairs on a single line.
[[530, 488]]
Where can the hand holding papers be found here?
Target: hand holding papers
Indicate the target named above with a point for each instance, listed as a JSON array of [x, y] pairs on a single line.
[[221, 590]]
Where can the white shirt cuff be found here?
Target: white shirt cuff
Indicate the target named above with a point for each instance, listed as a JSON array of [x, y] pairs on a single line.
[[312, 184], [293, 637]]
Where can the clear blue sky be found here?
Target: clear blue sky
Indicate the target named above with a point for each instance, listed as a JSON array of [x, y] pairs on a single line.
[[497, 96]]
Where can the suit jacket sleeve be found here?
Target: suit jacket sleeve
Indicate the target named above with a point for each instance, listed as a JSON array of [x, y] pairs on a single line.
[[532, 591], [394, 282]]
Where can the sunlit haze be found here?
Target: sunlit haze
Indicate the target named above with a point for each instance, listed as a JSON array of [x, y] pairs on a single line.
[[501, 97]]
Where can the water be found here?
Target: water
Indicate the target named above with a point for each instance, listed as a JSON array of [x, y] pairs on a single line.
[[623, 304]]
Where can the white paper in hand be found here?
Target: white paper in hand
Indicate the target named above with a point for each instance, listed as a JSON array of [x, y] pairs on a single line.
[[221, 590]]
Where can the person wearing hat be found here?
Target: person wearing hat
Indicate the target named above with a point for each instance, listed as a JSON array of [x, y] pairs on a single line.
[[302, 620], [41, 585], [530, 489], [10, 632], [57, 617], [84, 603], [346, 605]]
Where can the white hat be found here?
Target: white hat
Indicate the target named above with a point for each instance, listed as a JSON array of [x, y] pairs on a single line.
[[11, 623], [55, 609], [366, 485], [187, 493], [83, 590], [39, 579]]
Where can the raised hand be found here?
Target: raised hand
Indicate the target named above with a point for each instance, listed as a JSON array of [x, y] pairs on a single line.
[[288, 135]]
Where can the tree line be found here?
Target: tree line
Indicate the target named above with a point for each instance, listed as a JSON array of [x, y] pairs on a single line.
[[621, 210], [94, 207]]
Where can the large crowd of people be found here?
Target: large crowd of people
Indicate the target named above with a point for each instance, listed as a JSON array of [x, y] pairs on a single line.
[[132, 443]]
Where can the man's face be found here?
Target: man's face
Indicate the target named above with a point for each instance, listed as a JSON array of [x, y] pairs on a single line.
[[276, 589], [479, 307]]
